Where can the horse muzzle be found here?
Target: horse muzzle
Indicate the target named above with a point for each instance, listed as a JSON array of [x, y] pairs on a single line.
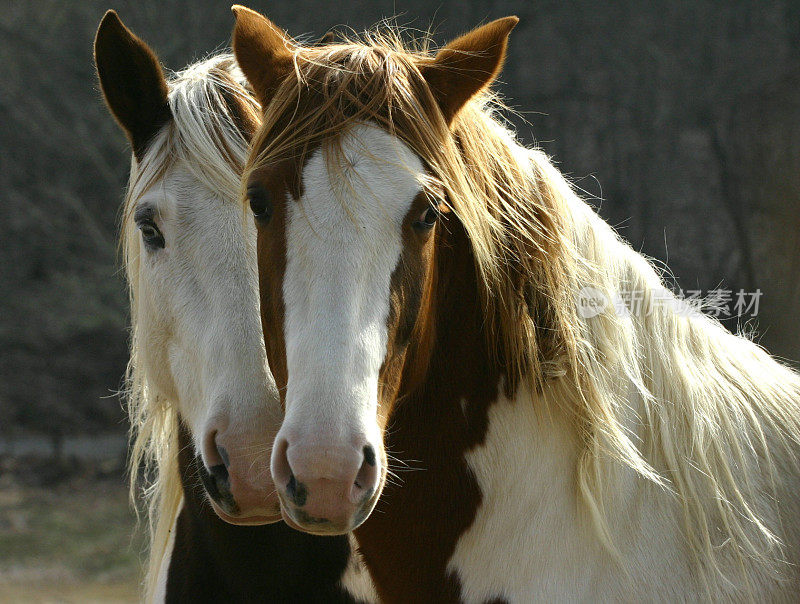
[[326, 490]]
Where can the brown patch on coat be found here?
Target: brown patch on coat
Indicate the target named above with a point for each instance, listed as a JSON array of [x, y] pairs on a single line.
[[279, 181], [409, 539]]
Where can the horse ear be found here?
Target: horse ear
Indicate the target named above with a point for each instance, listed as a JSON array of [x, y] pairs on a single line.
[[132, 81], [468, 65], [262, 51], [328, 38]]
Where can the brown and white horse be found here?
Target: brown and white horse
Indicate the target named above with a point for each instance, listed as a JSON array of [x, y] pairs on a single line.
[[421, 277], [203, 405]]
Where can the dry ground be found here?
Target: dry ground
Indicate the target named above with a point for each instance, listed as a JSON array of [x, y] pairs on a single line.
[[74, 541]]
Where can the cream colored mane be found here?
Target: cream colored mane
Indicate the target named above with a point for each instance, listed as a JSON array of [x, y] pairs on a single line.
[[205, 135], [707, 418]]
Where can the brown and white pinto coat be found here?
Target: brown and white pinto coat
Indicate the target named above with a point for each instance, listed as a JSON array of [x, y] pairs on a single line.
[[436, 396], [548, 448], [431, 351]]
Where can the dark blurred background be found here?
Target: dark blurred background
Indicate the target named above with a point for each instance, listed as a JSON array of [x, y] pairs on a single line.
[[682, 117]]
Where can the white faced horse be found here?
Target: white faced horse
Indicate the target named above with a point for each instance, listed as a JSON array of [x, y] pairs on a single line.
[[420, 277], [203, 405]]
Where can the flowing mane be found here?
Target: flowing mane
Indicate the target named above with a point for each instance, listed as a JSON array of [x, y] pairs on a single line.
[[705, 416], [210, 105]]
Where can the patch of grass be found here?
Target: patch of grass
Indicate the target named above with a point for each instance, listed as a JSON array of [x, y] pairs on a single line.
[[72, 542]]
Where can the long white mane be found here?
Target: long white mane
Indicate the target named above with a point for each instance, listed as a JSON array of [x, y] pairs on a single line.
[[709, 418], [205, 135]]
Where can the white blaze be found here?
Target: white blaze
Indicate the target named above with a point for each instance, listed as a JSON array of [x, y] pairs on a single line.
[[343, 242]]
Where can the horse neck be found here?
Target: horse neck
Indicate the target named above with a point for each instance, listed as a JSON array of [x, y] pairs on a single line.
[[436, 420], [458, 364]]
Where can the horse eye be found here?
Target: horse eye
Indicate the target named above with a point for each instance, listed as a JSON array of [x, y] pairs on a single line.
[[260, 202], [151, 236], [427, 219]]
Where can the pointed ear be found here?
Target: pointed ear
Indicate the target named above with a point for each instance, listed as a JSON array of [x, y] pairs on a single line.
[[328, 38], [262, 51], [132, 81], [468, 65]]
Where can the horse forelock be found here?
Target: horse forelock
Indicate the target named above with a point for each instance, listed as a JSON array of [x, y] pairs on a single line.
[[213, 117]]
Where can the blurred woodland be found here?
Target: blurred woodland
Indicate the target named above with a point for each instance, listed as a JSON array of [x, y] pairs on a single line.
[[682, 117]]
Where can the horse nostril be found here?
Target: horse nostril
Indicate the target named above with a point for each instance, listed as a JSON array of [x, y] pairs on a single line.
[[369, 455], [223, 453], [217, 484], [220, 474], [296, 491], [367, 478]]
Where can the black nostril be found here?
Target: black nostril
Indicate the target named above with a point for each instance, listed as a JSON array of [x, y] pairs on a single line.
[[220, 474], [369, 455], [296, 491], [367, 477], [217, 484], [223, 453]]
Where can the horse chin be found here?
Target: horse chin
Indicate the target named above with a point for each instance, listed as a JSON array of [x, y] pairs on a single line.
[[301, 521], [261, 518], [321, 530]]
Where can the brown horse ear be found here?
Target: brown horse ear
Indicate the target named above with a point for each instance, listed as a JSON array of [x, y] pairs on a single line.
[[328, 38], [132, 81], [262, 51], [468, 65]]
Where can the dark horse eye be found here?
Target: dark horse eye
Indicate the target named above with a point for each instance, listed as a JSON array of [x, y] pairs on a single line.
[[151, 236], [260, 202], [427, 220]]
